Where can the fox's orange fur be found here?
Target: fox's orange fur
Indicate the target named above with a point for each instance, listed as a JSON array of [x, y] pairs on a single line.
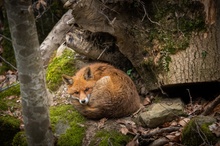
[[100, 90]]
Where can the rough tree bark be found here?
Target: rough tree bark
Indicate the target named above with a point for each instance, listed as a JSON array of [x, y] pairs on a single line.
[[167, 42], [102, 48], [31, 73]]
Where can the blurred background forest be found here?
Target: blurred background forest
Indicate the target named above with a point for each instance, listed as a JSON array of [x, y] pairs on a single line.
[[47, 15]]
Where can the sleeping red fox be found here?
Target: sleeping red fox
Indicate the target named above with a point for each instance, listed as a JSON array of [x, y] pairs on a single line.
[[100, 90]]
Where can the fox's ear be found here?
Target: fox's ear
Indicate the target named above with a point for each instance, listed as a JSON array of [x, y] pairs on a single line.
[[88, 74], [67, 79]]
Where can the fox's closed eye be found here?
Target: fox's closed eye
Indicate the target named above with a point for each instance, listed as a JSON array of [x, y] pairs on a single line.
[[76, 92], [87, 89]]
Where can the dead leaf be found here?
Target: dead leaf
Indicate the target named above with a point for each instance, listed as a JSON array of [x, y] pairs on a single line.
[[146, 101], [9, 72], [184, 121], [125, 122], [132, 143], [215, 128], [12, 97], [22, 126], [142, 130], [2, 78], [173, 123], [18, 101], [173, 137], [101, 123], [81, 125], [124, 130]]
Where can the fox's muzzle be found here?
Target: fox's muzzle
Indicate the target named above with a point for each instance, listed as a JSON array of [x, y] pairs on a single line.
[[83, 101]]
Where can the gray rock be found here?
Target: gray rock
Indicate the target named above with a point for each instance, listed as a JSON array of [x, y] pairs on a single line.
[[61, 49], [61, 127], [164, 111]]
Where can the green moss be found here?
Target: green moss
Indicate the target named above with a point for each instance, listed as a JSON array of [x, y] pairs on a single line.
[[15, 90], [3, 106], [197, 131], [20, 139], [9, 127], [6, 103], [67, 114], [58, 66], [103, 138], [73, 136]]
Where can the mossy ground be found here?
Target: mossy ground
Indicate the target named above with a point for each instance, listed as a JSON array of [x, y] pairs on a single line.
[[104, 137], [197, 132], [58, 66], [6, 102], [67, 114], [15, 90], [9, 127], [20, 139]]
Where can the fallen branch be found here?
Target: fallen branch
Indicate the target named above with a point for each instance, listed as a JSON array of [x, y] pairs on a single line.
[[211, 106], [160, 141], [160, 131], [56, 37]]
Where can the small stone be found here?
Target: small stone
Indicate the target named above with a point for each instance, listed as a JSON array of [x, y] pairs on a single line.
[[164, 111]]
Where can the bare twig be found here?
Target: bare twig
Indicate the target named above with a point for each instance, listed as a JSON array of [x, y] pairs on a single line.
[[152, 20], [160, 131], [109, 141], [5, 88], [160, 141], [6, 38], [8, 63], [211, 106], [101, 53], [138, 111], [163, 92], [201, 134], [145, 12], [190, 97], [111, 22], [133, 142]]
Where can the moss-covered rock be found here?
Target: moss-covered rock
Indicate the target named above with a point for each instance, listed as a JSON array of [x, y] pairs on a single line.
[[104, 137], [197, 132], [65, 64], [20, 139], [9, 127], [66, 117]]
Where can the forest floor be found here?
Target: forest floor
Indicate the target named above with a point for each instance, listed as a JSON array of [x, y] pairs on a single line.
[[169, 133]]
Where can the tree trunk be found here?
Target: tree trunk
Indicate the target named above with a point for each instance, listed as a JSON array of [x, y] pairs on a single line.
[[167, 42], [31, 72], [200, 62]]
